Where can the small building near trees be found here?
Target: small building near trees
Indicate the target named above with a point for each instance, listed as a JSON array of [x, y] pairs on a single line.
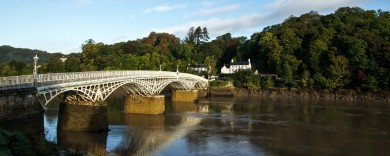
[[235, 66], [199, 68]]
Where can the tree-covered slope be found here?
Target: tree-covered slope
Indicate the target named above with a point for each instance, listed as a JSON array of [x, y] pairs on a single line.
[[8, 53]]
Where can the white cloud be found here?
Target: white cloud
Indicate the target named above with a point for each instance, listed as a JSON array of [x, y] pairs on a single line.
[[284, 8], [217, 26], [248, 24], [162, 8], [219, 10]]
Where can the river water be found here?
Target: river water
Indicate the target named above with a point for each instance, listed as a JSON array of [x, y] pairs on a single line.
[[237, 126]]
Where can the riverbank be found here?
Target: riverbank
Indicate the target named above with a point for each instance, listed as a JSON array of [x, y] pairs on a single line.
[[320, 94]]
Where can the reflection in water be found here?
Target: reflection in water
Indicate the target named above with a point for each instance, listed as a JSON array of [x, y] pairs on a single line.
[[94, 142], [151, 133], [250, 126]]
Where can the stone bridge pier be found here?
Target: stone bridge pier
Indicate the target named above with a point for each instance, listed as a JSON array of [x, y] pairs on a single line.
[[184, 95], [155, 104], [150, 104], [20, 111], [79, 115]]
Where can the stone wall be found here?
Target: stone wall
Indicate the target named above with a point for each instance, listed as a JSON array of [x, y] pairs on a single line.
[[19, 103], [184, 95], [91, 118], [144, 104]]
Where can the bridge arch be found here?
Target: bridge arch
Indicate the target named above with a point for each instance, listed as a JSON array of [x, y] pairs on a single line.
[[98, 85], [100, 92]]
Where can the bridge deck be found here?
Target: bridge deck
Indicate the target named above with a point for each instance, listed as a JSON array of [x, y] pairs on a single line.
[[26, 81]]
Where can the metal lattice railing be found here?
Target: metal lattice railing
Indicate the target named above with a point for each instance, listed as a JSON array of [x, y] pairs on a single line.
[[27, 81]]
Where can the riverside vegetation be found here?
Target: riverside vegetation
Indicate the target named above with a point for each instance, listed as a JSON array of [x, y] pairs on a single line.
[[246, 83], [348, 49]]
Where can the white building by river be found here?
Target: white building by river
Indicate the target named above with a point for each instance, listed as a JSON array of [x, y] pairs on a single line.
[[235, 66]]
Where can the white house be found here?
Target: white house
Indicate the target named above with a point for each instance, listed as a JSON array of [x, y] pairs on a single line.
[[198, 68], [235, 66]]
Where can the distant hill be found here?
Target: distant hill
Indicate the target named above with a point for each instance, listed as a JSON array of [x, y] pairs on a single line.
[[8, 53]]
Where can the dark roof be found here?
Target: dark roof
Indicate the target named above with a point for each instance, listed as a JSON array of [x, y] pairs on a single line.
[[240, 63]]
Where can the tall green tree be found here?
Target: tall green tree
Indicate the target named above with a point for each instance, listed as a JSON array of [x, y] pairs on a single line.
[[72, 63], [55, 65]]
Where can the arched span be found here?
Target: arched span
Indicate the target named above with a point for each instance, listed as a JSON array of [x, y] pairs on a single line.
[[45, 98], [97, 86], [201, 85]]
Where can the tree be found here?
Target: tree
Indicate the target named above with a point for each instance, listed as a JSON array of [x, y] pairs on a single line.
[[72, 63], [198, 35], [205, 34], [18, 66], [55, 65], [338, 69], [245, 78], [184, 52], [266, 82], [88, 51], [271, 50], [210, 64], [190, 38]]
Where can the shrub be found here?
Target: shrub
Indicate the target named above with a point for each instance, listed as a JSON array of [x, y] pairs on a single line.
[[245, 78]]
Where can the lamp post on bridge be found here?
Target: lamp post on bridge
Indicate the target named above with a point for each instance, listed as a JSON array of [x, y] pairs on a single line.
[[177, 71], [35, 70]]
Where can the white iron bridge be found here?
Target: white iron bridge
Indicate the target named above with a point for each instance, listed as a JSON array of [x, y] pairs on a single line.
[[98, 85]]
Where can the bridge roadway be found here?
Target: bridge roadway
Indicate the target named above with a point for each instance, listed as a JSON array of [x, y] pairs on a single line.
[[98, 85]]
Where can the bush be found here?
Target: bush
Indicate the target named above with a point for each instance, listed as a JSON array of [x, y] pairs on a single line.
[[267, 82], [370, 83], [323, 82], [245, 78]]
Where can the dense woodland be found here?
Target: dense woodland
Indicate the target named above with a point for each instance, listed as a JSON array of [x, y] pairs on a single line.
[[347, 49]]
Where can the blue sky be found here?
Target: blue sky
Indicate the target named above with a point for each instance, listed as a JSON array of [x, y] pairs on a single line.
[[63, 25]]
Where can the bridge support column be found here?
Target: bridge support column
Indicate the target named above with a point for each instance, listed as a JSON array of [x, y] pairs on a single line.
[[19, 103], [145, 104], [83, 116], [202, 93], [184, 95]]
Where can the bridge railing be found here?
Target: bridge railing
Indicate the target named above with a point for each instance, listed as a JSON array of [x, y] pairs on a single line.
[[24, 81], [16, 82]]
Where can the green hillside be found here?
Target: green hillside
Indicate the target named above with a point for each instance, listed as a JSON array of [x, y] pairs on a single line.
[[8, 53]]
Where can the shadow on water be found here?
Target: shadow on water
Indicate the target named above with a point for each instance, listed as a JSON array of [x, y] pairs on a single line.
[[83, 141], [32, 125]]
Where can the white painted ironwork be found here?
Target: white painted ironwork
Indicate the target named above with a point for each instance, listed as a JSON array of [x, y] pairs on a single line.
[[98, 85]]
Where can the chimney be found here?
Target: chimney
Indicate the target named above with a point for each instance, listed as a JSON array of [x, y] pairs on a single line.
[[249, 60]]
